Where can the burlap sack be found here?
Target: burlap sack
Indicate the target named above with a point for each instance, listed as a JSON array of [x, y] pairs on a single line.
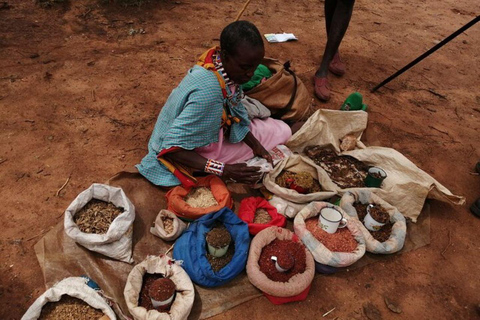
[[177, 204], [75, 287], [320, 253], [276, 92], [296, 284], [158, 228], [182, 305], [399, 229], [297, 163], [117, 242]]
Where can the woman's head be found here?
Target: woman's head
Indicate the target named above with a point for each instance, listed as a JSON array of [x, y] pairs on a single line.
[[241, 50]]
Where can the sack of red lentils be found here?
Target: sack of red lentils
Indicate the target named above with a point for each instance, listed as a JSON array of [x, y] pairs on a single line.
[[280, 265], [71, 298], [167, 226], [299, 180], [340, 249], [101, 219], [259, 214], [142, 277], [388, 235]]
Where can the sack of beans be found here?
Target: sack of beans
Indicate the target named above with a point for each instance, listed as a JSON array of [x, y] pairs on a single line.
[[280, 265], [259, 214], [340, 249], [214, 248], [71, 298], [384, 234], [167, 226], [101, 219], [159, 289], [299, 180], [287, 208], [209, 195]]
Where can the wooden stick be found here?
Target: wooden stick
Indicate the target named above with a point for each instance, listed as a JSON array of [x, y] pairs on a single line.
[[243, 10], [448, 245], [64, 185]]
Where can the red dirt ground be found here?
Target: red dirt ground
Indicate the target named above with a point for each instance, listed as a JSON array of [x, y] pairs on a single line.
[[79, 96]]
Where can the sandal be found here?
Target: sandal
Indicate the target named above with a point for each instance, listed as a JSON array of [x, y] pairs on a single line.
[[322, 88], [337, 66]]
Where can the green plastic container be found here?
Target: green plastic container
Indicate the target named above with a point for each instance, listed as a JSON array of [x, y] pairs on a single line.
[[354, 102]]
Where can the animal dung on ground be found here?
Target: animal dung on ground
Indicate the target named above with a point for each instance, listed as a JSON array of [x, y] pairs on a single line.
[[302, 182], [96, 216], [262, 216], [285, 251], [201, 197], [69, 308], [340, 241], [379, 212], [345, 171]]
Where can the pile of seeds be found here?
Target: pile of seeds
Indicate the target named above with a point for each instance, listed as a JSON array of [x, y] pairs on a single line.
[[96, 216], [144, 297], [69, 308], [340, 241], [385, 231], [262, 216], [162, 289], [345, 171], [281, 247], [167, 224], [217, 263], [302, 182], [218, 237], [201, 198]]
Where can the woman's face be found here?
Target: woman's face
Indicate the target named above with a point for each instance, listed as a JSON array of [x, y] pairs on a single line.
[[241, 66]]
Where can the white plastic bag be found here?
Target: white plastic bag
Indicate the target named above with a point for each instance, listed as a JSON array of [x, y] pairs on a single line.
[[159, 229], [286, 208], [117, 242], [75, 287]]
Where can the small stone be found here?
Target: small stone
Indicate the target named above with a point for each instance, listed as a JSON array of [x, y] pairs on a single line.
[[371, 311], [391, 306]]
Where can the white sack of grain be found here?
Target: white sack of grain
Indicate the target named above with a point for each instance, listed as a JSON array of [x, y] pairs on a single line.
[[117, 242], [75, 287], [160, 230]]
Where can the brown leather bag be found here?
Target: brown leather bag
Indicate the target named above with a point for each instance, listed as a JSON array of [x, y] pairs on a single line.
[[284, 93]]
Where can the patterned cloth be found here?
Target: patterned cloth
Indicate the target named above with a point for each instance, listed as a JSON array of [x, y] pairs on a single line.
[[191, 118]]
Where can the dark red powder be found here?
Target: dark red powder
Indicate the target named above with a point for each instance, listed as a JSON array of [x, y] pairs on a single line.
[[278, 248], [144, 298]]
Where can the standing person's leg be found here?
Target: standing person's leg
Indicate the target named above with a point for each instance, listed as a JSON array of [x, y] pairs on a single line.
[[337, 17]]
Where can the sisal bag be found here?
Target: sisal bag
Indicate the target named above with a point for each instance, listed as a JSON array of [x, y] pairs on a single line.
[[297, 287], [117, 242], [185, 293], [77, 287], [399, 229], [177, 204], [297, 163], [320, 253], [247, 209], [159, 229], [283, 93]]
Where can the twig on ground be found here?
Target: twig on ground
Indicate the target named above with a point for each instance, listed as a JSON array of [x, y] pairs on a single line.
[[475, 173], [94, 98], [64, 185], [441, 96], [169, 249], [3, 160], [448, 245], [476, 109], [241, 11], [444, 132], [328, 312], [29, 120]]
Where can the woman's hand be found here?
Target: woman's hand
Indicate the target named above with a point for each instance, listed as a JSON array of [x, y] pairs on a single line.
[[242, 173], [257, 148]]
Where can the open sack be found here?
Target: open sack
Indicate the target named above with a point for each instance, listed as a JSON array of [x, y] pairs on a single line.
[[161, 230], [320, 253], [191, 247], [247, 210], [164, 265], [399, 229], [177, 204], [76, 287], [117, 242], [297, 287]]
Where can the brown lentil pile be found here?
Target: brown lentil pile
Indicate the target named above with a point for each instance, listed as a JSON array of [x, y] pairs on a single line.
[[96, 216], [385, 232], [277, 248], [340, 241], [262, 216], [302, 182], [69, 308], [201, 197]]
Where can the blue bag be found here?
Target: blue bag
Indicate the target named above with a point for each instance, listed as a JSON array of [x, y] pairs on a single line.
[[191, 247]]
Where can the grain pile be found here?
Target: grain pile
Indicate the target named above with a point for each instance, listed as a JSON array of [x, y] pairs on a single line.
[[345, 171], [385, 231], [200, 198], [340, 241], [96, 216], [262, 216], [167, 224], [144, 296], [69, 308], [217, 263], [278, 248], [302, 182]]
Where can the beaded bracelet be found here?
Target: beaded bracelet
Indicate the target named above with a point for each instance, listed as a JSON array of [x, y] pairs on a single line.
[[215, 167]]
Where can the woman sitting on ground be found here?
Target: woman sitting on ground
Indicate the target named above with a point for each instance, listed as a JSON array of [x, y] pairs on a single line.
[[203, 126]]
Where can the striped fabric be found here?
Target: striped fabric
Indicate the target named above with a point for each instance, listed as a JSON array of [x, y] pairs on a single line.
[[190, 118]]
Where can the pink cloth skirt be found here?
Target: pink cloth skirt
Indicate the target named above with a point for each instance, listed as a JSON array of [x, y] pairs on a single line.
[[270, 132]]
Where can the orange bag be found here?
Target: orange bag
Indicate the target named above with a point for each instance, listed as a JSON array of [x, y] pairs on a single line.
[[177, 204]]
